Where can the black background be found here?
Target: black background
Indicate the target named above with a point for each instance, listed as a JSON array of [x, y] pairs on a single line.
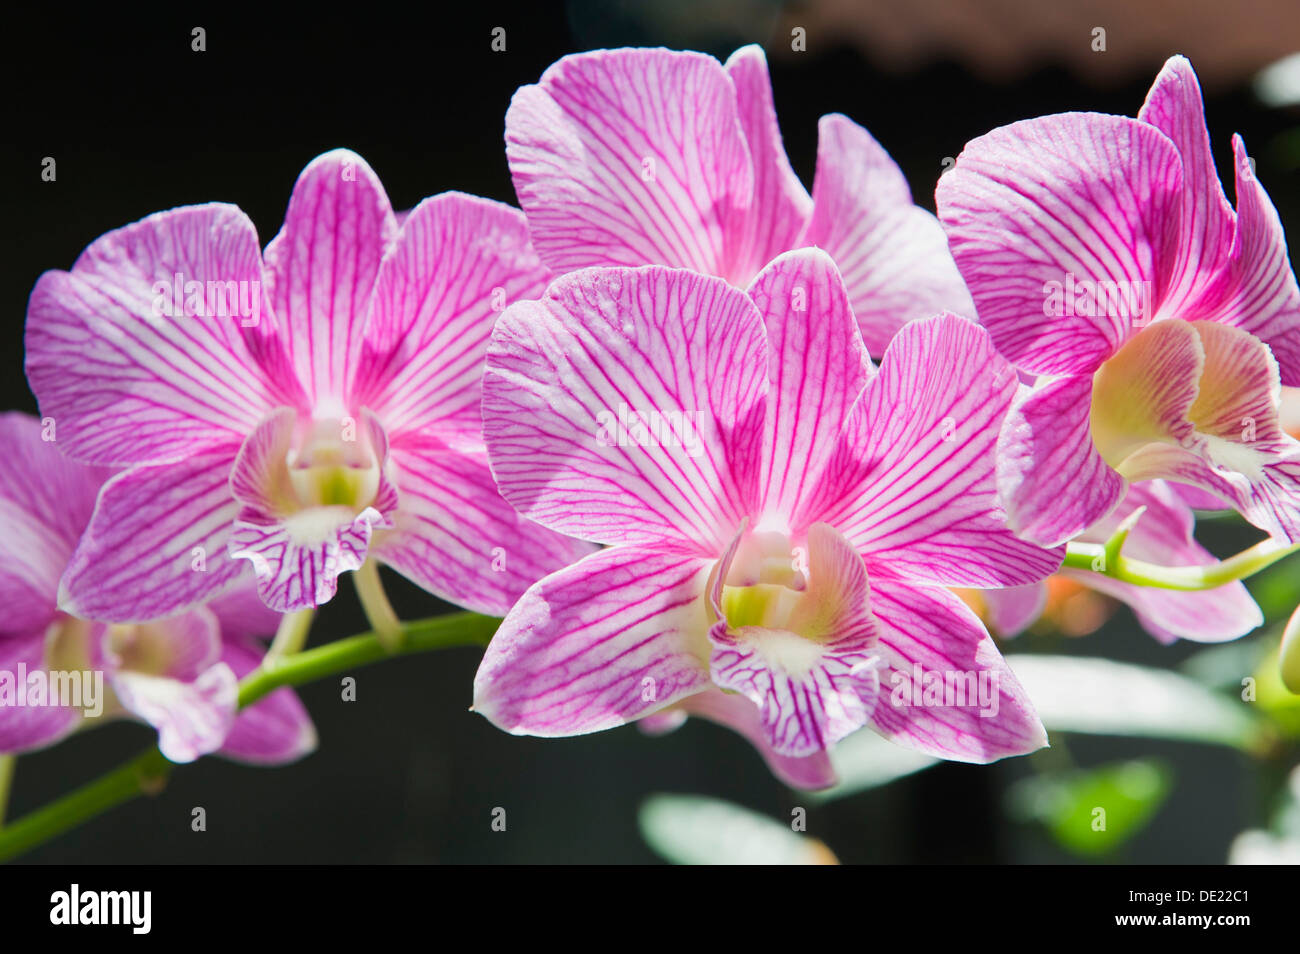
[[138, 122]]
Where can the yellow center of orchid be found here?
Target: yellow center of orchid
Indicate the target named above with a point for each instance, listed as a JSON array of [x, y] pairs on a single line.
[[67, 656], [141, 648], [333, 467], [764, 582], [67, 645]]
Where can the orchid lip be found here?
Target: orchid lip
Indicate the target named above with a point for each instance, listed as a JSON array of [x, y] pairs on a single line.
[[1121, 418]]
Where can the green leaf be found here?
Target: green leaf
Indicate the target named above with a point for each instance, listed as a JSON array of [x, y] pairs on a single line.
[[1102, 697], [1224, 665], [1094, 811], [693, 830]]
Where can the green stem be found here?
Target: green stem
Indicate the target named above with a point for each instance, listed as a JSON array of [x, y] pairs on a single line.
[[291, 636], [6, 781], [438, 632], [379, 612], [146, 773], [1108, 561]]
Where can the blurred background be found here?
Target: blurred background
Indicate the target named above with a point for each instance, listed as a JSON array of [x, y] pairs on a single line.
[[138, 122]]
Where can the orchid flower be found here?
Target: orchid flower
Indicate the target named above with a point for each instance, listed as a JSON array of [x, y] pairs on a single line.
[[1162, 534], [782, 518], [331, 416], [653, 157], [1103, 255], [1289, 411], [58, 672]]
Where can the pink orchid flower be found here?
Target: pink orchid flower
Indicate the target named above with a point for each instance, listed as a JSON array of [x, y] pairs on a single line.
[[653, 157], [59, 673], [1163, 535], [1103, 255], [332, 415], [781, 517]]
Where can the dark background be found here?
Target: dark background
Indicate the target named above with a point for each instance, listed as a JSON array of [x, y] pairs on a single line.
[[138, 122]]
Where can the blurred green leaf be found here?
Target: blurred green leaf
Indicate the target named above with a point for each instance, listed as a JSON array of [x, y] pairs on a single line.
[[1102, 697], [693, 830], [864, 760], [1223, 666], [1092, 812]]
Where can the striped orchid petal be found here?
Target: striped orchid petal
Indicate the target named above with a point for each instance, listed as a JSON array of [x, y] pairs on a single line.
[[1051, 478], [154, 343], [27, 727], [45, 503], [156, 544], [1075, 233], [28, 576], [774, 218], [272, 731], [653, 157], [945, 689], [192, 718], [300, 525], [458, 262], [893, 255], [772, 600], [242, 614], [630, 157], [298, 566], [1056, 225], [912, 483], [169, 674], [366, 328], [1259, 294], [1013, 609], [614, 637], [1174, 106], [1228, 266], [321, 270], [626, 407], [736, 712], [817, 369], [181, 647], [806, 659], [1163, 535], [457, 538], [1217, 429]]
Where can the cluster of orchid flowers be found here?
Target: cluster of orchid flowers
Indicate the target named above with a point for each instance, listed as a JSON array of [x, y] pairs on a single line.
[[867, 420]]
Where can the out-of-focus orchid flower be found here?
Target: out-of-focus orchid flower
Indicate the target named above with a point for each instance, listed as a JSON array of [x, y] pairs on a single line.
[[783, 519], [1104, 257], [57, 671], [1162, 535], [300, 426], [653, 157], [1289, 413]]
